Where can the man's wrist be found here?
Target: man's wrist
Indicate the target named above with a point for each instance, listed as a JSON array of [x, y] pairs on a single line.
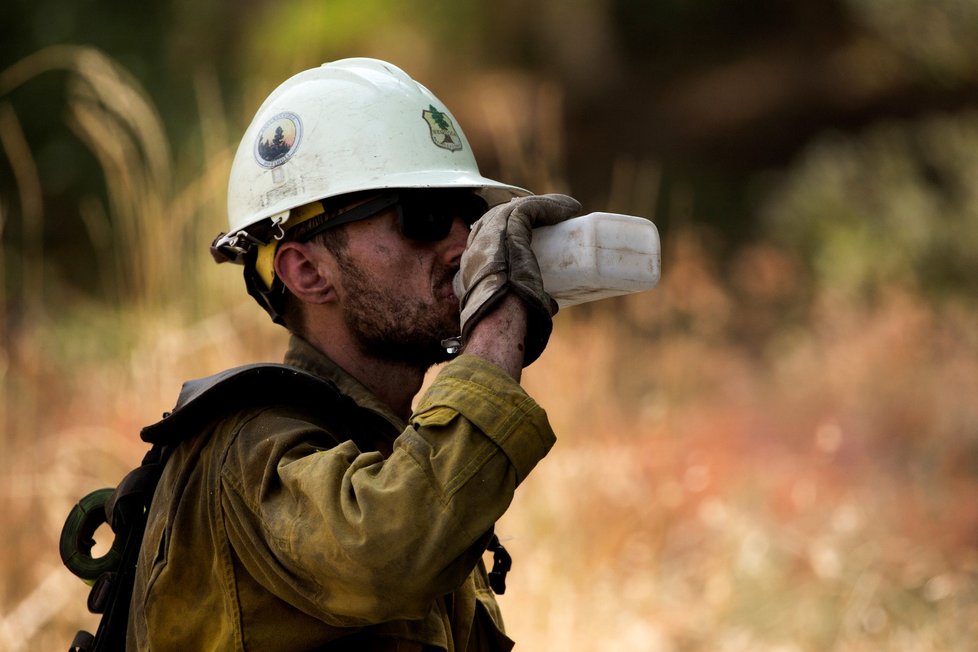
[[499, 336]]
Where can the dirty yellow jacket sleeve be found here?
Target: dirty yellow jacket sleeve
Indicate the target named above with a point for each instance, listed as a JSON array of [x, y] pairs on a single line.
[[357, 539]]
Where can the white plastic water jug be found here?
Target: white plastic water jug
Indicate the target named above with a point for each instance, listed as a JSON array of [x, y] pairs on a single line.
[[597, 256]]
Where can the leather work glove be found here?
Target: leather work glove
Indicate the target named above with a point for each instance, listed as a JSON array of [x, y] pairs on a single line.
[[498, 260]]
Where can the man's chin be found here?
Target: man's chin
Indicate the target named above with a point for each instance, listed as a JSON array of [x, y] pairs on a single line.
[[418, 355]]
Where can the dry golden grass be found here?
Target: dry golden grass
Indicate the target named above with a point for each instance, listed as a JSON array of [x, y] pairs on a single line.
[[739, 466]]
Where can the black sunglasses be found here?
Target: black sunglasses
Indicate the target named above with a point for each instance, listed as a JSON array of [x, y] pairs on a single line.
[[423, 215]]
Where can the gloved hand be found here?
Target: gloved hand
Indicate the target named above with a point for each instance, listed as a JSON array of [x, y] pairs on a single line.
[[498, 260]]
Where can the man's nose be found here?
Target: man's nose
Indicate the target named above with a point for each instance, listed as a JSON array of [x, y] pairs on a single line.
[[458, 236]]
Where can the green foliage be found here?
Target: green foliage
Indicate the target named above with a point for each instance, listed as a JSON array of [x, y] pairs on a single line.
[[940, 37], [290, 36], [897, 204]]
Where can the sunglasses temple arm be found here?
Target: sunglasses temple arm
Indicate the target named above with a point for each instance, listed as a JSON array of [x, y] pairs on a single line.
[[361, 212]]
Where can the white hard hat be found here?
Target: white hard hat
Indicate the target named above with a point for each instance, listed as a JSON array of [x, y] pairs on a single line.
[[348, 126]]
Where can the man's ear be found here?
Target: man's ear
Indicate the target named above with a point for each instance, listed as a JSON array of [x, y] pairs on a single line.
[[308, 273]]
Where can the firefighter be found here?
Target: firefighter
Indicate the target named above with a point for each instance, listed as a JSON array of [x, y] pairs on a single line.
[[359, 215]]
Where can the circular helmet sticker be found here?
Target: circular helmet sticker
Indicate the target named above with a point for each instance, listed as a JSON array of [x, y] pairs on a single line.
[[278, 140]]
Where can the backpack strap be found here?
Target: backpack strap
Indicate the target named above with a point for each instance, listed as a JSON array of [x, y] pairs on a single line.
[[126, 508], [241, 387]]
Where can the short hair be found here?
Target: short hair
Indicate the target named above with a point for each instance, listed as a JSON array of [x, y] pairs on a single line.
[[335, 241]]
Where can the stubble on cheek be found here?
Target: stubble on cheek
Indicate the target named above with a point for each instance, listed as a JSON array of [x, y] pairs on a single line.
[[389, 323]]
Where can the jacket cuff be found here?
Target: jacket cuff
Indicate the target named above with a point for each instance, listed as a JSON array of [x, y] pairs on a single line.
[[497, 405]]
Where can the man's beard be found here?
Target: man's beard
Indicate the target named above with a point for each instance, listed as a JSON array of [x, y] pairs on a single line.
[[389, 326]]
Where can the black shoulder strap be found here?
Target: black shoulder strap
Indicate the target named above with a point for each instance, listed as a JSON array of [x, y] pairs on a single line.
[[127, 507], [242, 387]]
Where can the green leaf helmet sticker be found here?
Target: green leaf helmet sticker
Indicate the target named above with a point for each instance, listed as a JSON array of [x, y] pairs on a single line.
[[443, 131], [278, 140]]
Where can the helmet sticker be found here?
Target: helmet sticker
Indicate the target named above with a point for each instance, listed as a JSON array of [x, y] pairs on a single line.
[[278, 140], [443, 131]]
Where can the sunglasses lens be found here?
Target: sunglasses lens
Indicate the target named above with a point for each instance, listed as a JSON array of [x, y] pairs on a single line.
[[429, 217], [426, 225]]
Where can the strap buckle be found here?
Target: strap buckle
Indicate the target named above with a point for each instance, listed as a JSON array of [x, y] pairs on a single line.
[[502, 562]]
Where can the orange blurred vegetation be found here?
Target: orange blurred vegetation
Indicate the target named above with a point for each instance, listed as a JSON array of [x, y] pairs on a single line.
[[728, 481]]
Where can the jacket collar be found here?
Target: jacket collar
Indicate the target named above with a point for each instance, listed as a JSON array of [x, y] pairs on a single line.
[[305, 356]]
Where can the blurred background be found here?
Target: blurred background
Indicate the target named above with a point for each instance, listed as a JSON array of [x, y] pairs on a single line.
[[776, 449]]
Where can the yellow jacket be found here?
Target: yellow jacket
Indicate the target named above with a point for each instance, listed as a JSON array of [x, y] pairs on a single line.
[[280, 528]]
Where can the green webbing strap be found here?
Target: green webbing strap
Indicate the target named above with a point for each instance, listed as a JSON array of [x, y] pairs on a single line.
[[77, 538]]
